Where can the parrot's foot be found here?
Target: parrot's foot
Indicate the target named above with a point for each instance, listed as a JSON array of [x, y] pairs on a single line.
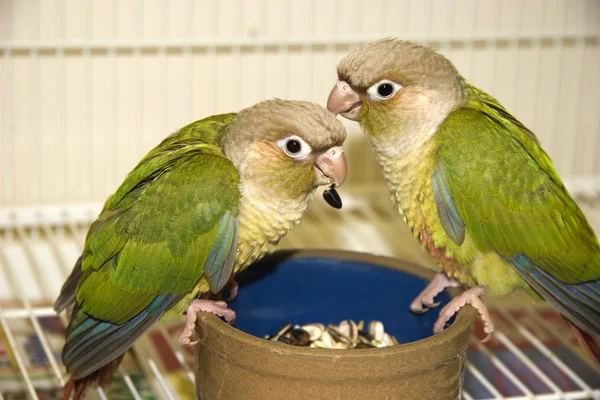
[[232, 288], [472, 298], [215, 307], [435, 287]]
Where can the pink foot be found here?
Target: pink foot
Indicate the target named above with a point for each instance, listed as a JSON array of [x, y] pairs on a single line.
[[233, 288], [215, 307], [435, 287], [472, 298]]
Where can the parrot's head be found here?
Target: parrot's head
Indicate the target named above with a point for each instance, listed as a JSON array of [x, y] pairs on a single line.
[[392, 87], [287, 148]]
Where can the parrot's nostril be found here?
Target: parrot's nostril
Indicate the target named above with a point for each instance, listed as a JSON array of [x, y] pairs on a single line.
[[344, 87]]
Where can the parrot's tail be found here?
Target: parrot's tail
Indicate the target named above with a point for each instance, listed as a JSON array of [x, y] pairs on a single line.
[[579, 303], [66, 299], [591, 345], [101, 377]]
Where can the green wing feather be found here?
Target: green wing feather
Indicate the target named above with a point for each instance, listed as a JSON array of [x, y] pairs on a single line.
[[158, 230], [508, 195], [173, 216]]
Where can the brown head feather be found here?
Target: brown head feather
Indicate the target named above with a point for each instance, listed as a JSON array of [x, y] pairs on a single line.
[[271, 120], [430, 88], [251, 144], [400, 61]]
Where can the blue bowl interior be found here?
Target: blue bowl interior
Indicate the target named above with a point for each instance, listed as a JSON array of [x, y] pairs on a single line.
[[327, 290]]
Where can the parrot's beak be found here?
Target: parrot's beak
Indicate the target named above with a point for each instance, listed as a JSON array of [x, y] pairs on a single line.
[[331, 167], [343, 100]]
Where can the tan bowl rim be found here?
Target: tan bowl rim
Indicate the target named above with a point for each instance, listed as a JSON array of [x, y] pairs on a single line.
[[465, 318]]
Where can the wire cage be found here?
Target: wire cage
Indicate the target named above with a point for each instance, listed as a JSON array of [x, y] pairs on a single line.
[[88, 87]]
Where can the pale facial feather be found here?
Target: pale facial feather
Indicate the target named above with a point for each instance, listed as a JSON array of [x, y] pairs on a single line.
[[272, 120]]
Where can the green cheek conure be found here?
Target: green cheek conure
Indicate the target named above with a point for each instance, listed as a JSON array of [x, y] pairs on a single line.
[[208, 201], [473, 184]]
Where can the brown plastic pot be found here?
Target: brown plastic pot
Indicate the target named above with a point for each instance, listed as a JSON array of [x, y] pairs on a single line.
[[231, 364]]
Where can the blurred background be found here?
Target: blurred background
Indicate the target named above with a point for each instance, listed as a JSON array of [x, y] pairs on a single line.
[[88, 87]]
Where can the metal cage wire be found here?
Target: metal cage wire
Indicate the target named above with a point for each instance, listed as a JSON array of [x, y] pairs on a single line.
[[42, 245], [88, 87]]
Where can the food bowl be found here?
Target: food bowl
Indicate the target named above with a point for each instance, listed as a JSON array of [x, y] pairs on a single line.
[[303, 286]]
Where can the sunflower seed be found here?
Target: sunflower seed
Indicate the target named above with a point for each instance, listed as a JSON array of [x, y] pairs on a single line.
[[340, 346], [387, 340], [300, 337], [349, 329], [338, 337], [376, 330], [327, 339], [365, 337], [314, 330], [332, 197], [361, 325], [347, 335], [280, 332]]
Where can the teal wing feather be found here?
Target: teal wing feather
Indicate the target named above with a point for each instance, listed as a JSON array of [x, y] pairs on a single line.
[[578, 302], [219, 264], [92, 343], [452, 223], [173, 219], [493, 178]]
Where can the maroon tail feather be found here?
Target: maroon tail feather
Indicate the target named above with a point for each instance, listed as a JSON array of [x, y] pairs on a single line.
[[591, 345], [102, 377]]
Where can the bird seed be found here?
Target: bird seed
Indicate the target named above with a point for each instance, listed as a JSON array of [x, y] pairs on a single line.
[[347, 335]]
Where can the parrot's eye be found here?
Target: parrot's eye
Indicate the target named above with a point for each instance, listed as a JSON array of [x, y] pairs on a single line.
[[294, 147], [384, 89]]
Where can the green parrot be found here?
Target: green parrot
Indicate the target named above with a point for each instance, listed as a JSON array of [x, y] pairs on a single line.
[[472, 183], [208, 201]]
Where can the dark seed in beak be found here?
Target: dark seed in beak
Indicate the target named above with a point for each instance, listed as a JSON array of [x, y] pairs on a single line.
[[332, 197]]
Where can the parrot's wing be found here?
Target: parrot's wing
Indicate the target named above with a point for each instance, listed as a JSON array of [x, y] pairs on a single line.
[[494, 181], [173, 219]]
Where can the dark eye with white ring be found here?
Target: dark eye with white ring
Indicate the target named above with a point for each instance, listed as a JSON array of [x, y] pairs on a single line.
[[294, 147], [384, 89]]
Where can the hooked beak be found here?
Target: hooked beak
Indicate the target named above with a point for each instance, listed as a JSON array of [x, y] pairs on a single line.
[[331, 167], [343, 100]]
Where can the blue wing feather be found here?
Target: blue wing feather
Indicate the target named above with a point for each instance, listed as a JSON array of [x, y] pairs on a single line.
[[219, 264], [451, 221], [93, 343], [578, 302]]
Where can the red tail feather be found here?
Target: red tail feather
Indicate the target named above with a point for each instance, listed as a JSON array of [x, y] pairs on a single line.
[[591, 345], [102, 377]]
